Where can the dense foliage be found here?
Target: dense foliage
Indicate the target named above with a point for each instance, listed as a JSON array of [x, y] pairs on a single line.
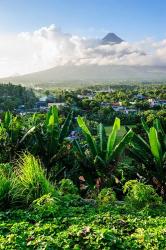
[[11, 96], [53, 223], [68, 182]]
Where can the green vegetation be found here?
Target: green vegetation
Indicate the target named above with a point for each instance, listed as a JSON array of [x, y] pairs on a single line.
[[57, 224], [11, 96], [101, 155], [68, 181]]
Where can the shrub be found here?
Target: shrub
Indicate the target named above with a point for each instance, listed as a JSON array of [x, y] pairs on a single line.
[[46, 206], [106, 196], [67, 187], [5, 182], [30, 181], [140, 195]]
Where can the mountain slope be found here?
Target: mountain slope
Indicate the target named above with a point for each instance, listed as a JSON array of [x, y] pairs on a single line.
[[69, 75]]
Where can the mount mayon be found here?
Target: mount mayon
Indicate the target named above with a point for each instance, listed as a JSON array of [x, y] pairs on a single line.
[[111, 38], [72, 75]]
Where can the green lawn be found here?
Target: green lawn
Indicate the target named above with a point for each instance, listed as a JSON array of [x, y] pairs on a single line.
[[121, 132]]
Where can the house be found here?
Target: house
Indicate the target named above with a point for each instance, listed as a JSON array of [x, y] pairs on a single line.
[[105, 104], [48, 99], [131, 111], [155, 103], [119, 108], [106, 90], [59, 105], [162, 102], [139, 97], [41, 104], [90, 97]]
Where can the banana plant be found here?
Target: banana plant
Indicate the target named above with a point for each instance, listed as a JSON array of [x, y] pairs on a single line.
[[49, 137], [12, 136], [150, 152], [99, 155]]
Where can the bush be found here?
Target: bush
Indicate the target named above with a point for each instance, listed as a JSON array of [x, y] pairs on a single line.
[[67, 187], [140, 195], [106, 196], [46, 206], [30, 181], [5, 171]]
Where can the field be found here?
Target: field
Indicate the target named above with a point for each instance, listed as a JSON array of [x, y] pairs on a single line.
[[121, 132]]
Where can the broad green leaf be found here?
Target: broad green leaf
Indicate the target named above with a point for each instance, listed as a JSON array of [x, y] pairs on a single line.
[[144, 125], [102, 138], [30, 131], [155, 145], [112, 137], [78, 148], [51, 121], [141, 147], [65, 128], [100, 160], [89, 138], [82, 125], [55, 114], [121, 145], [8, 119]]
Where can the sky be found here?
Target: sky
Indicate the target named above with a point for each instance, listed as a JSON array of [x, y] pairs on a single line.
[[39, 34]]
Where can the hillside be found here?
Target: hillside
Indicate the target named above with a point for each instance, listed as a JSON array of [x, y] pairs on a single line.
[[74, 75]]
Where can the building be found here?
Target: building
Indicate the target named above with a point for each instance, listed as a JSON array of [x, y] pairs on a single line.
[[139, 97], [59, 105], [48, 99]]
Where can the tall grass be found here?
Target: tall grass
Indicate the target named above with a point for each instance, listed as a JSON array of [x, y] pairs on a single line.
[[29, 182]]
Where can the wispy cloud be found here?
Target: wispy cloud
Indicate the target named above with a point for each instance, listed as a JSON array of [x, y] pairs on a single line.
[[49, 46]]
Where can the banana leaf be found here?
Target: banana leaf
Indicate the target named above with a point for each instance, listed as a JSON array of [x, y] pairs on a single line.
[[112, 137], [155, 145], [102, 139], [121, 145], [89, 138]]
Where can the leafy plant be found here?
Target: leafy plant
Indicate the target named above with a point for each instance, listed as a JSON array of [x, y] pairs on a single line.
[[100, 155], [106, 196], [48, 141], [151, 152], [67, 187], [12, 136], [46, 206], [140, 195], [5, 184]]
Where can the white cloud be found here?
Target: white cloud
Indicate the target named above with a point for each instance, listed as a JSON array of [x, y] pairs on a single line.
[[49, 46]]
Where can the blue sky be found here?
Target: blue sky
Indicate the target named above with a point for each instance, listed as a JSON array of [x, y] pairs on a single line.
[[132, 20]]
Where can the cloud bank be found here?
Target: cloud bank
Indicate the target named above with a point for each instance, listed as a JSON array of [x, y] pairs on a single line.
[[49, 47]]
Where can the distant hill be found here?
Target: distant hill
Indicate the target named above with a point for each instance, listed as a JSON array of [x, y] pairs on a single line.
[[111, 38], [72, 75], [75, 75]]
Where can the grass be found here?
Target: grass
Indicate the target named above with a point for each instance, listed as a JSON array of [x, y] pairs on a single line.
[[121, 132], [29, 182]]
